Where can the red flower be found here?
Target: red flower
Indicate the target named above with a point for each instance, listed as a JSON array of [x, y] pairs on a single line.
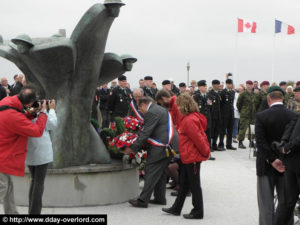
[[131, 155], [145, 155]]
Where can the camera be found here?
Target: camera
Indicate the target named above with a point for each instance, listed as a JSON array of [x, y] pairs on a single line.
[[36, 103]]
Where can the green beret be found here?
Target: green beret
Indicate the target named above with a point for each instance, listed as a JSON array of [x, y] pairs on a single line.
[[275, 88], [297, 89]]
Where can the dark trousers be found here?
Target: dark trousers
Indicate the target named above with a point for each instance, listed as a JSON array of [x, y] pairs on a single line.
[[105, 118], [155, 180], [208, 134], [265, 195], [215, 131], [190, 180], [292, 191], [226, 128], [38, 174]]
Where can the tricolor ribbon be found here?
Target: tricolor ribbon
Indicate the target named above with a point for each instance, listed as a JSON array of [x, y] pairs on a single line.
[[136, 112], [170, 134]]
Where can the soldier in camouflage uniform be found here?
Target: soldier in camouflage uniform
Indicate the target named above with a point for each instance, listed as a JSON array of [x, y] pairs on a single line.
[[294, 104], [261, 98], [246, 107]]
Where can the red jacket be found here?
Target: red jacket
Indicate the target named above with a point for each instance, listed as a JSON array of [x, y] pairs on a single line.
[[15, 128], [193, 143]]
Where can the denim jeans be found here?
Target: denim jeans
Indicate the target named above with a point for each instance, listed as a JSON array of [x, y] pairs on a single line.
[[235, 127]]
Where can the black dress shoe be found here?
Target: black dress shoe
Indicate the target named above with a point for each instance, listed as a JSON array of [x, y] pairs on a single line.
[[221, 148], [214, 148], [212, 158], [192, 216], [241, 145], [154, 201], [230, 147], [138, 203], [171, 211]]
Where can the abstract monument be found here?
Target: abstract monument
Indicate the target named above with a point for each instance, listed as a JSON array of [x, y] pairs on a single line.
[[68, 70]]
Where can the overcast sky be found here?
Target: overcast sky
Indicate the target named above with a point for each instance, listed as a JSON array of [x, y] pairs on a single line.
[[166, 34]]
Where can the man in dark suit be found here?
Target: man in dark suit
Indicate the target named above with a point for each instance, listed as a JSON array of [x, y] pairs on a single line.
[[291, 152], [269, 127], [201, 99], [103, 96], [3, 93], [214, 104], [156, 124], [17, 86], [119, 99], [227, 115]]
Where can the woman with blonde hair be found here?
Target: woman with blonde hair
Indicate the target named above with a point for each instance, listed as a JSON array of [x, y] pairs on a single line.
[[193, 148]]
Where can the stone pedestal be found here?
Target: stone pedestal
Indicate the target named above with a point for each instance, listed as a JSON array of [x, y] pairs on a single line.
[[90, 185]]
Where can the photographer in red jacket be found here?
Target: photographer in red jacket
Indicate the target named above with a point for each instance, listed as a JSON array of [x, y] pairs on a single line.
[[16, 127], [193, 148]]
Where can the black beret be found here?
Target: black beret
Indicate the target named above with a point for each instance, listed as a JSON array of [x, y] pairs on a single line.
[[165, 82], [215, 82], [275, 88], [229, 81], [182, 84], [201, 83], [122, 77], [282, 83], [148, 78], [297, 89]]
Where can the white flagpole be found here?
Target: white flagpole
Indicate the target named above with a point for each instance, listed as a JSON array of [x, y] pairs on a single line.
[[273, 57], [235, 64]]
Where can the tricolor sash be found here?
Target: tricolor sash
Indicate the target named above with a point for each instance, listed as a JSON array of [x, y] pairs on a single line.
[[170, 134], [136, 112]]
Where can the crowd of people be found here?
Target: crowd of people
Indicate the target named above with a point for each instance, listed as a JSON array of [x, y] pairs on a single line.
[[190, 120]]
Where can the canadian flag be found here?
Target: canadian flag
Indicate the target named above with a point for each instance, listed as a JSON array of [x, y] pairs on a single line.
[[246, 26]]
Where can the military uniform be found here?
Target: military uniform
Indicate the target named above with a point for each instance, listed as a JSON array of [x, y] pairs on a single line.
[[203, 103], [227, 117], [294, 105], [246, 106], [118, 102], [150, 92], [261, 101], [214, 105]]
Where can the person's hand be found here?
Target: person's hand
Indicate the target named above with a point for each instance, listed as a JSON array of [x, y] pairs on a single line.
[[44, 106], [127, 151], [52, 104], [278, 165]]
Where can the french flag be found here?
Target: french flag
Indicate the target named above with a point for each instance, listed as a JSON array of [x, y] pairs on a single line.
[[246, 26], [283, 27]]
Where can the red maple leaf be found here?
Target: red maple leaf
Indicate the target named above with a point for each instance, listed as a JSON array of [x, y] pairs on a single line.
[[248, 25]]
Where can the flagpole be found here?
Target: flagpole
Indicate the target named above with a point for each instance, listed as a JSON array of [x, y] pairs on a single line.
[[273, 56], [235, 65]]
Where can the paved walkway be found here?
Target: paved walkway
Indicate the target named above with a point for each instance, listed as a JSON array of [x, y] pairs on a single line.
[[229, 191]]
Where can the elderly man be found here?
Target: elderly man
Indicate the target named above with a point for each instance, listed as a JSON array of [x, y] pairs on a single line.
[[4, 84], [15, 129], [160, 132], [16, 88], [133, 109], [269, 127]]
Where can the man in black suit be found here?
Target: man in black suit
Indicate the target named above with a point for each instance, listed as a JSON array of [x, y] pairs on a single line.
[[214, 104], [269, 127], [291, 152], [156, 123], [103, 96], [227, 115], [17, 86]]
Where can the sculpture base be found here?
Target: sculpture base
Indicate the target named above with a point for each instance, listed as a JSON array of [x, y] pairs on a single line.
[[90, 185]]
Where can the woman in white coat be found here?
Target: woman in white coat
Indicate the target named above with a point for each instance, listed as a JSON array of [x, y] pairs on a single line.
[[39, 155]]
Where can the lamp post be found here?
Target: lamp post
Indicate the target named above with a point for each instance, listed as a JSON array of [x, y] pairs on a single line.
[[188, 73]]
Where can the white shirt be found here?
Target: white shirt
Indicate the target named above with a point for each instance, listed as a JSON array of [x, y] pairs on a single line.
[[149, 106], [236, 111], [276, 103], [39, 150]]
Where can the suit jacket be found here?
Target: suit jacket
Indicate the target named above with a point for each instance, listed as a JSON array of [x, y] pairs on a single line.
[[226, 104], [270, 125], [16, 89], [3, 93], [156, 127], [292, 138], [103, 95]]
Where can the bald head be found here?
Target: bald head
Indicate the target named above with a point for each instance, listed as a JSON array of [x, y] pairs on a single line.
[[4, 81], [138, 93]]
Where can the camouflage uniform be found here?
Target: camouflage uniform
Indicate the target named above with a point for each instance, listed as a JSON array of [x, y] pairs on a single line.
[[261, 101], [294, 105], [246, 106]]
